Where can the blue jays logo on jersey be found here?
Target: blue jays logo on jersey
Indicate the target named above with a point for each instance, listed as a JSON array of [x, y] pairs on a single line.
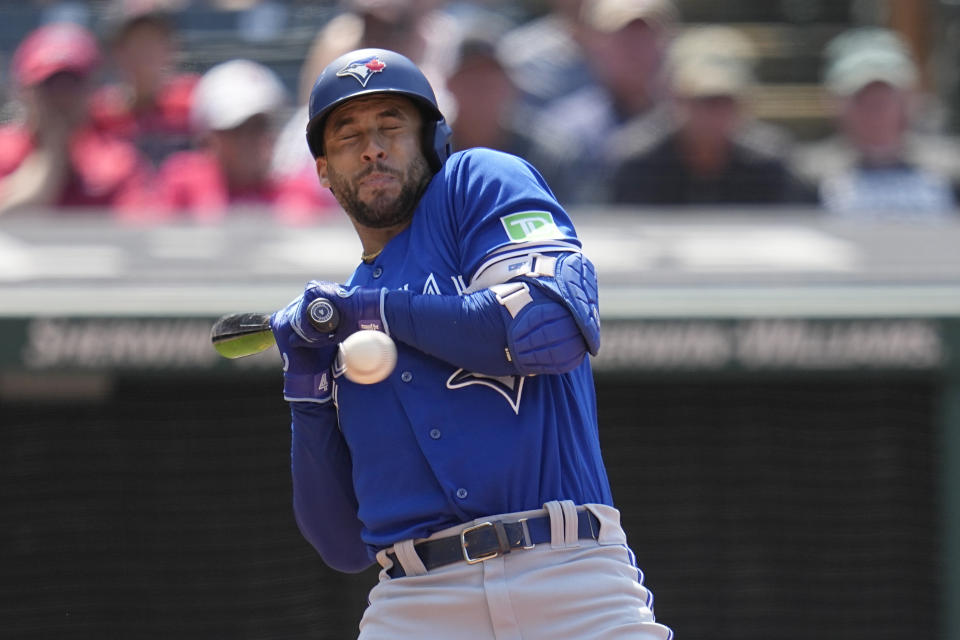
[[363, 69], [510, 387]]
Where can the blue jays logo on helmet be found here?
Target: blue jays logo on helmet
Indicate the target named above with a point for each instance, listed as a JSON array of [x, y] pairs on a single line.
[[377, 71], [363, 69]]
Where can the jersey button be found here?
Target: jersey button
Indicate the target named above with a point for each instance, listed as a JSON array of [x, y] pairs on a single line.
[[435, 434], [378, 272], [406, 376], [461, 493]]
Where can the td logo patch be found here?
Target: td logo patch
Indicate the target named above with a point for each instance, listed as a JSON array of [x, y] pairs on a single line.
[[530, 225]]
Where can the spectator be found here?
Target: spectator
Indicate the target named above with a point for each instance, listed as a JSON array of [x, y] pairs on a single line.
[[414, 28], [487, 102], [575, 137], [150, 103], [545, 55], [54, 157], [876, 165], [714, 153], [234, 109], [291, 156], [260, 20]]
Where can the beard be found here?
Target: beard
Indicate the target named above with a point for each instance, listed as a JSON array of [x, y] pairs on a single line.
[[383, 210]]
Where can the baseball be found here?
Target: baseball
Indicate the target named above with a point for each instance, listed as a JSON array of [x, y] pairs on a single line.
[[368, 356]]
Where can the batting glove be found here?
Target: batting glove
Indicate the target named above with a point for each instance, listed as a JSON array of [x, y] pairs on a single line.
[[306, 365], [358, 308]]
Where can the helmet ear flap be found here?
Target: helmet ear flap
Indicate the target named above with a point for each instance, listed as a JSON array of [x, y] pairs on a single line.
[[436, 143], [314, 141]]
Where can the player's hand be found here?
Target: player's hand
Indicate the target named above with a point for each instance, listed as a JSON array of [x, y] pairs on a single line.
[[306, 365], [358, 308]]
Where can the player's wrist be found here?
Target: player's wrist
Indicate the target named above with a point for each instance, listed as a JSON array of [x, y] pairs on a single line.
[[308, 387], [368, 305], [358, 308], [306, 368]]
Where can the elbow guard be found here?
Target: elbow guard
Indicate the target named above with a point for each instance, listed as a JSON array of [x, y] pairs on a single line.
[[554, 313], [571, 280]]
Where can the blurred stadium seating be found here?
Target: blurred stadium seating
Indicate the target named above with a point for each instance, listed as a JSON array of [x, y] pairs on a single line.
[[788, 35]]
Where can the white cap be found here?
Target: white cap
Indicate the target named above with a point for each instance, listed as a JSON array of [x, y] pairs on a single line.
[[711, 61], [864, 55], [232, 92], [612, 15]]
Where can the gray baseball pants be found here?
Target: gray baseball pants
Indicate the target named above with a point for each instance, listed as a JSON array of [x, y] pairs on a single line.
[[567, 589]]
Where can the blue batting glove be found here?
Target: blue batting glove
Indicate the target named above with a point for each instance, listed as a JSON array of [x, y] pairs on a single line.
[[359, 308], [306, 365]]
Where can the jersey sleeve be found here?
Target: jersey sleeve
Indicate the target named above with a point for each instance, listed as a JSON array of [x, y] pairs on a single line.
[[503, 205], [324, 501]]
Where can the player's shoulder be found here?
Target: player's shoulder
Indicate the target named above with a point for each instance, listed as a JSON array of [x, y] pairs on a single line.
[[485, 157], [481, 174], [483, 164]]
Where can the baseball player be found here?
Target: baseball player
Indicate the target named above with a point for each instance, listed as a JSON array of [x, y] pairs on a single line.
[[473, 473]]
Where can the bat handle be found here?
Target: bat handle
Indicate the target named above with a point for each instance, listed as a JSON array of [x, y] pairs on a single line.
[[323, 316]]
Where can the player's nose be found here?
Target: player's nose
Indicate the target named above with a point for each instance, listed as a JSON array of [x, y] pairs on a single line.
[[375, 148]]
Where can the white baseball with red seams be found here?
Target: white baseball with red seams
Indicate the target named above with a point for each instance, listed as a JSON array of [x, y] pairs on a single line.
[[368, 356]]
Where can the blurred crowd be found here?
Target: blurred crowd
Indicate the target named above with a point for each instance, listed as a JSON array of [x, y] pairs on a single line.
[[616, 102]]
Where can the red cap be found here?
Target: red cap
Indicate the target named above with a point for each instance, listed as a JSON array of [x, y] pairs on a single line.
[[52, 48]]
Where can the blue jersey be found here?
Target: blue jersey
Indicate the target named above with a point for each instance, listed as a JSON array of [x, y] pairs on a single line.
[[435, 445]]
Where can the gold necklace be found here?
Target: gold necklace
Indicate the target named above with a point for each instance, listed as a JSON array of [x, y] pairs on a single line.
[[367, 257]]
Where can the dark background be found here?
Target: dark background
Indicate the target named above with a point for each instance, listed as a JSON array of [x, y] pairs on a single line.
[[786, 506]]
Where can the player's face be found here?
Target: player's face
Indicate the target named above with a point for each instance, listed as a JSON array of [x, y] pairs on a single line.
[[373, 162]]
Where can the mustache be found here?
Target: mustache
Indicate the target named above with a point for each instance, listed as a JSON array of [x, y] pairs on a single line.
[[378, 168]]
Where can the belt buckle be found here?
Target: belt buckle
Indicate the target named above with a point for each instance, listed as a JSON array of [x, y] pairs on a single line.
[[463, 544]]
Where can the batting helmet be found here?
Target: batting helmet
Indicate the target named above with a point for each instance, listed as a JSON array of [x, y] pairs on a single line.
[[369, 71]]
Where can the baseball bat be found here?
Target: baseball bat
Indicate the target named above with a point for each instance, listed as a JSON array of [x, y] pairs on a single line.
[[236, 335]]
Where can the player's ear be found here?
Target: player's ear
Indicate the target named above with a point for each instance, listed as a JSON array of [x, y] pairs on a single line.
[[322, 172]]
